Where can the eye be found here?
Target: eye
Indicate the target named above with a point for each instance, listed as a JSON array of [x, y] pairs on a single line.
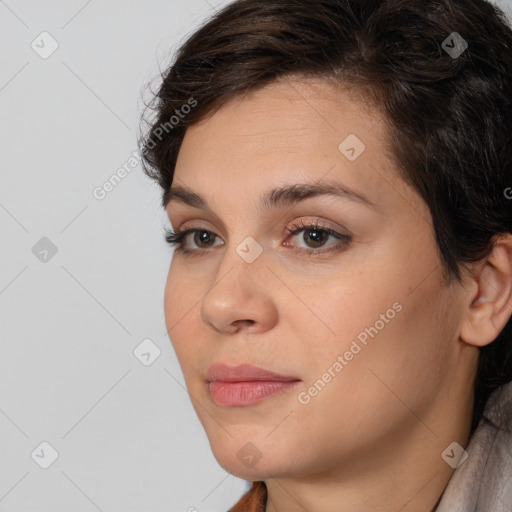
[[202, 237], [314, 236]]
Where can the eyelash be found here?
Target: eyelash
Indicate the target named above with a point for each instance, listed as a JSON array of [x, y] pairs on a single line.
[[176, 238]]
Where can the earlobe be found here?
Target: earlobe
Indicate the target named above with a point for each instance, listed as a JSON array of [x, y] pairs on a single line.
[[490, 306]]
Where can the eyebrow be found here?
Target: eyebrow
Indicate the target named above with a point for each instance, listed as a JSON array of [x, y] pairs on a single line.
[[287, 195]]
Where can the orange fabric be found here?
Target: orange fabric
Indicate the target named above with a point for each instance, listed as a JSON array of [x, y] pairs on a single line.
[[254, 500]]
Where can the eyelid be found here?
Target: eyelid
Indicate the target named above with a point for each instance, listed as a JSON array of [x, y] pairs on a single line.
[[306, 220], [198, 225]]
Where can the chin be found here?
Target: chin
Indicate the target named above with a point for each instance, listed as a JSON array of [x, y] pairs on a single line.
[[251, 457]]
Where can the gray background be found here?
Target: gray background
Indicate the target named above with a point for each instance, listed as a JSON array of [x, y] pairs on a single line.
[[126, 434]]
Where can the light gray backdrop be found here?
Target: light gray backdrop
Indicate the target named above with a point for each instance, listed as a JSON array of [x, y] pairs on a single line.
[[94, 415]]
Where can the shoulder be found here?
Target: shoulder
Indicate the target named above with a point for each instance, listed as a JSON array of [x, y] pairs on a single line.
[[254, 500], [484, 480]]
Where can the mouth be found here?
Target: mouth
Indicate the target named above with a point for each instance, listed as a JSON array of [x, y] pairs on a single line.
[[239, 394], [242, 385]]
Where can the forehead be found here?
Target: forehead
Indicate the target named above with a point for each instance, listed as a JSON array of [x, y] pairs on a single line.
[[289, 131]]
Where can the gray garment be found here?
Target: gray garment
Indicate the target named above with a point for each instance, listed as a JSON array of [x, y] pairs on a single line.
[[483, 483]]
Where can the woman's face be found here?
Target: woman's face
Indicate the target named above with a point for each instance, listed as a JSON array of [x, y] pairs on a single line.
[[364, 323]]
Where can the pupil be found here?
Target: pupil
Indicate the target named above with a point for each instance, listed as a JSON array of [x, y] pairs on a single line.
[[203, 236], [316, 236]]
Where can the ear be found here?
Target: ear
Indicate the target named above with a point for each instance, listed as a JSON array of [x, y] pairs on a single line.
[[490, 300]]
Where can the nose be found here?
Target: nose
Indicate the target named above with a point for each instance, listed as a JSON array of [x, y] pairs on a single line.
[[241, 297]]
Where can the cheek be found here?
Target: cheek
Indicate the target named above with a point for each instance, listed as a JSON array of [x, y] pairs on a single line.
[[392, 364], [372, 390], [182, 320], [336, 307], [383, 320]]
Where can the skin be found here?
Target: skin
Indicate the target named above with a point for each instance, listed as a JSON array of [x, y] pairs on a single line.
[[372, 439]]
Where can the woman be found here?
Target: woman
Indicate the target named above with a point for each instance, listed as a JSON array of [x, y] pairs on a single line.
[[338, 176]]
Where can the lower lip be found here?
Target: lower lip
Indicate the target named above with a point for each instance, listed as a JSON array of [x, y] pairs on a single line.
[[232, 394]]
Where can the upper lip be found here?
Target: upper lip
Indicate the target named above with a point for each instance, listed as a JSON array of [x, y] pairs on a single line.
[[243, 373]]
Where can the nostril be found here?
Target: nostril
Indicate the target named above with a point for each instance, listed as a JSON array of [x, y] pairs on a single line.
[[240, 324]]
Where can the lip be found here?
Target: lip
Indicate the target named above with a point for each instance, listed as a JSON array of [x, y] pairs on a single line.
[[244, 373], [239, 394], [244, 384]]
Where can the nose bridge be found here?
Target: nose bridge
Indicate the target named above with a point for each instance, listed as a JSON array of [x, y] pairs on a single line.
[[243, 260]]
